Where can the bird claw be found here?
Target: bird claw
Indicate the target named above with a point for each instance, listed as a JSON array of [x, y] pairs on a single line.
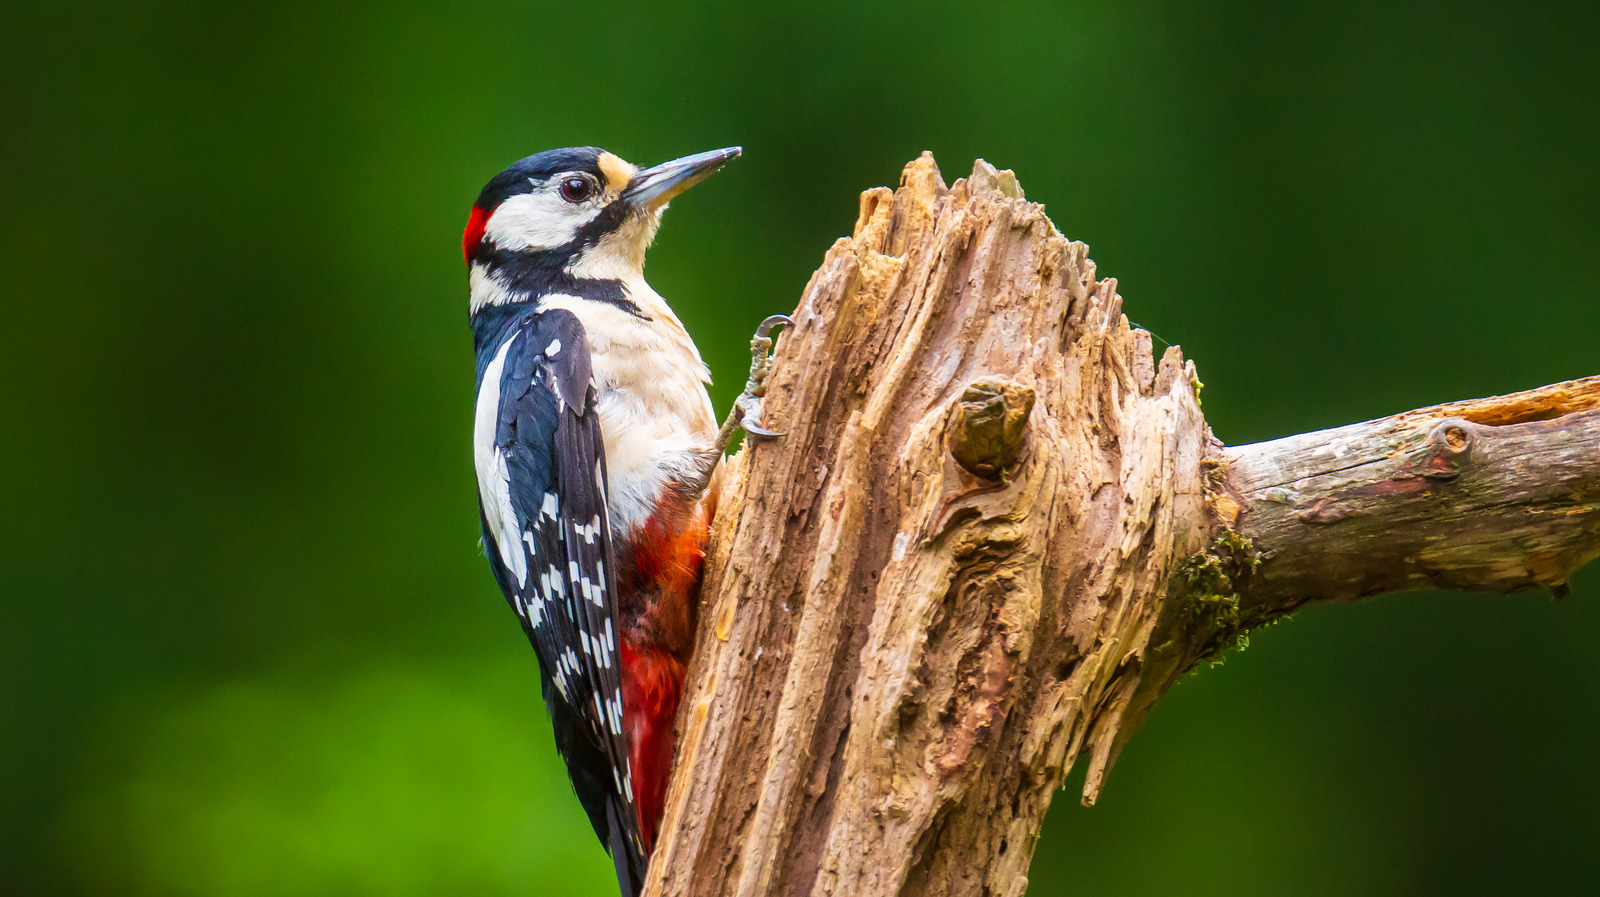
[[755, 389], [746, 413], [751, 422], [764, 329]]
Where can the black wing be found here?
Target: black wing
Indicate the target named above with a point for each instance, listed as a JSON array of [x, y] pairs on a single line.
[[547, 532]]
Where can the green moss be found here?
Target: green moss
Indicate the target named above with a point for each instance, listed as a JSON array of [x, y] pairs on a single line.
[[1211, 619]]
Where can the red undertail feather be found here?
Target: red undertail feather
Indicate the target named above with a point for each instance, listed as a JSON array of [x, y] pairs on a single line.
[[666, 555], [669, 548], [652, 686]]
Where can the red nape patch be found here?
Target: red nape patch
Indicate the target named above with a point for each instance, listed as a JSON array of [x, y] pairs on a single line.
[[473, 235]]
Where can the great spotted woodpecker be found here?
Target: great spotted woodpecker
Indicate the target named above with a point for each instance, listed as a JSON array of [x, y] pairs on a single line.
[[595, 443]]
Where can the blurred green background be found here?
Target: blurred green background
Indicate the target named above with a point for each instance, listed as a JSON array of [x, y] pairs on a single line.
[[249, 646]]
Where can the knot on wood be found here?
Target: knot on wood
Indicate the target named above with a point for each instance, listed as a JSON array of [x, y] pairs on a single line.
[[1446, 451], [991, 419], [1449, 444]]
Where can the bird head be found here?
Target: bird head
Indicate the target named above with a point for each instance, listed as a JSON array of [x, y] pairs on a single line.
[[564, 215]]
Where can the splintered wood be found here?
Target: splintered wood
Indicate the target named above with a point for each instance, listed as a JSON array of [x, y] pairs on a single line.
[[998, 530], [902, 657]]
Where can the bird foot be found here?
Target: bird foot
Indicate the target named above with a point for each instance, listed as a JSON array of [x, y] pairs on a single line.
[[746, 412]]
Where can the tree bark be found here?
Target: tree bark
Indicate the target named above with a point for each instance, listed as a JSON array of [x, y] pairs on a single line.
[[998, 530]]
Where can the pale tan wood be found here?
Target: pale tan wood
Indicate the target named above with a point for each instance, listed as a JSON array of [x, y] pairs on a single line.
[[900, 654]]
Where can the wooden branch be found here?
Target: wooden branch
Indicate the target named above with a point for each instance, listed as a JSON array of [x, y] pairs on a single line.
[[998, 530], [1500, 494]]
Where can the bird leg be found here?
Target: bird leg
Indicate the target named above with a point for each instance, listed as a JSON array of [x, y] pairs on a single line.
[[746, 410]]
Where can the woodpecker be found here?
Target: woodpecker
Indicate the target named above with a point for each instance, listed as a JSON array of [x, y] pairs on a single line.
[[595, 443]]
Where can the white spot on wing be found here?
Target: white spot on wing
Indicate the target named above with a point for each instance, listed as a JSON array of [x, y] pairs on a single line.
[[589, 531]]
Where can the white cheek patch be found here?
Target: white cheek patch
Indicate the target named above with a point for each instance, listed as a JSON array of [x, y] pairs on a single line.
[[538, 220]]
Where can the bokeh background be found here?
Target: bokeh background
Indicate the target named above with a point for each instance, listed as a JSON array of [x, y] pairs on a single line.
[[248, 646]]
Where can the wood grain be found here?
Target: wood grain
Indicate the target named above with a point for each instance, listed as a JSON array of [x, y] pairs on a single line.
[[900, 656]]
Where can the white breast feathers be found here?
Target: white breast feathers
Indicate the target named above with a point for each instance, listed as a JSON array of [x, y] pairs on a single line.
[[655, 414]]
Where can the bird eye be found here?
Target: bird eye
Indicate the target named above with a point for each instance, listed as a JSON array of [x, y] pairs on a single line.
[[576, 189]]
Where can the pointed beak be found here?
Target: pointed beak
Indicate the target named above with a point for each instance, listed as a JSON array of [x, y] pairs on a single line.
[[652, 188]]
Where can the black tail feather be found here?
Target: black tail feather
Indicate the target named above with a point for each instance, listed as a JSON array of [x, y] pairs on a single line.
[[630, 863], [592, 781]]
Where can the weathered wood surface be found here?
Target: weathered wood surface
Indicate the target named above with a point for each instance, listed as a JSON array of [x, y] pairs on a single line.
[[1500, 494], [996, 532]]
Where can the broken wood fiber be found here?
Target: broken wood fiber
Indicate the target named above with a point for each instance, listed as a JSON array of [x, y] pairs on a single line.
[[998, 529]]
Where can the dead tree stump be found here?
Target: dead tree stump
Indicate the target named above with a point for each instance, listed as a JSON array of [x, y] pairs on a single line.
[[998, 529]]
